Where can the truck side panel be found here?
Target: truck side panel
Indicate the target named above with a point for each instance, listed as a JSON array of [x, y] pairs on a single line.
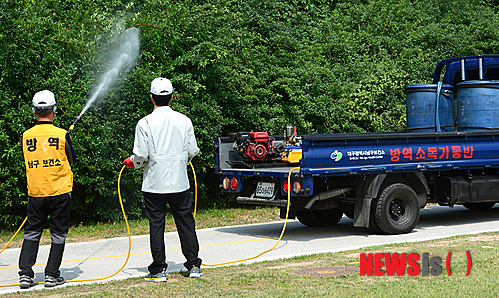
[[356, 154]]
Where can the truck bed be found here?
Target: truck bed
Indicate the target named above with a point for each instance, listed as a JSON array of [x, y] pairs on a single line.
[[370, 153]]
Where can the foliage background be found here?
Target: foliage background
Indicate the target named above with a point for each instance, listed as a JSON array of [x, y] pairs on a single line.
[[329, 66]]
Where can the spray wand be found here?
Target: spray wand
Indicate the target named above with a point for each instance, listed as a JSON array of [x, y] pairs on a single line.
[[73, 125]]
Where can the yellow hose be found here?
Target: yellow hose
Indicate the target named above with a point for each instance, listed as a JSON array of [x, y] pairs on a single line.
[[26, 218], [129, 237], [194, 214], [91, 279], [280, 237], [195, 191]]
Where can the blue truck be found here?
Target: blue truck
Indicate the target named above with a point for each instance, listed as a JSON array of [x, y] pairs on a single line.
[[448, 155]]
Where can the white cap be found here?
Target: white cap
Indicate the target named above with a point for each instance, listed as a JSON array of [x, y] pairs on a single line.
[[161, 86], [43, 98]]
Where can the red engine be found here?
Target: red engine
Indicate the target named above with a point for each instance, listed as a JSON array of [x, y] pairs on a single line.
[[259, 146], [255, 147]]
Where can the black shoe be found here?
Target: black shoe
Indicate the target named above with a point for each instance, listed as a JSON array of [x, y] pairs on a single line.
[[52, 281], [25, 282]]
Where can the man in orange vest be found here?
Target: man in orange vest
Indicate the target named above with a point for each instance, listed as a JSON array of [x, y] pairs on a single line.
[[48, 155]]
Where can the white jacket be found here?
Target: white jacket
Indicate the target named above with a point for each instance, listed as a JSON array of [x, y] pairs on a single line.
[[164, 143]]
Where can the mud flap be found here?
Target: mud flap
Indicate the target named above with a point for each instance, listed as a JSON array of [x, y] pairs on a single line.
[[362, 212]]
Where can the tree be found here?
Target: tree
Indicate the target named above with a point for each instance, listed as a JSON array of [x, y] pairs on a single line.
[[328, 66]]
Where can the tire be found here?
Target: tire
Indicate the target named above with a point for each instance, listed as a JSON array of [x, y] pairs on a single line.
[[319, 218], [302, 217], [373, 225], [396, 209], [479, 206]]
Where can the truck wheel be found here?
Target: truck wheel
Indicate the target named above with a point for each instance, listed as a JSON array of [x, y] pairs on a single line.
[[479, 206], [319, 218], [396, 209], [373, 225], [302, 217]]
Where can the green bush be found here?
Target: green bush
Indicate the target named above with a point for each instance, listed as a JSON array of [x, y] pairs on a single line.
[[328, 66]]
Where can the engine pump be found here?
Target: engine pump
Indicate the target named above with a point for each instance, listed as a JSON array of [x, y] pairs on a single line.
[[257, 146]]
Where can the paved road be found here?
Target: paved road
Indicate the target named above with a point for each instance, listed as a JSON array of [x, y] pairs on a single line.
[[104, 257]]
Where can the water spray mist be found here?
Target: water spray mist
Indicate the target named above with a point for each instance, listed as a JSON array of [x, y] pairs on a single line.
[[124, 57]]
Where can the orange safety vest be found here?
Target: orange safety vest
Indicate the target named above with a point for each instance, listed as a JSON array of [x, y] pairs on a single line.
[[47, 167]]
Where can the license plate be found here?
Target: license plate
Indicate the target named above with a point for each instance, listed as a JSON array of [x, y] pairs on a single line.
[[265, 190]]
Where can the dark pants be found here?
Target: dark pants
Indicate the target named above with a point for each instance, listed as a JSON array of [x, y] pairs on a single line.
[[59, 208], [180, 206]]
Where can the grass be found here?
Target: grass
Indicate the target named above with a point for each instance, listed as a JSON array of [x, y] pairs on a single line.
[[279, 278], [204, 219]]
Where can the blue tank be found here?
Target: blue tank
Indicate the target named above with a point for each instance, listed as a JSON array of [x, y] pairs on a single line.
[[477, 105], [421, 104]]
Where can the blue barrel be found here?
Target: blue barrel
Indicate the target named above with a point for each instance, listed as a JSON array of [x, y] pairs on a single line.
[[477, 105], [421, 104]]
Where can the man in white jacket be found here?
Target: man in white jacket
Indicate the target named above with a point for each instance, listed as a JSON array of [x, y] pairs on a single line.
[[165, 144]]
